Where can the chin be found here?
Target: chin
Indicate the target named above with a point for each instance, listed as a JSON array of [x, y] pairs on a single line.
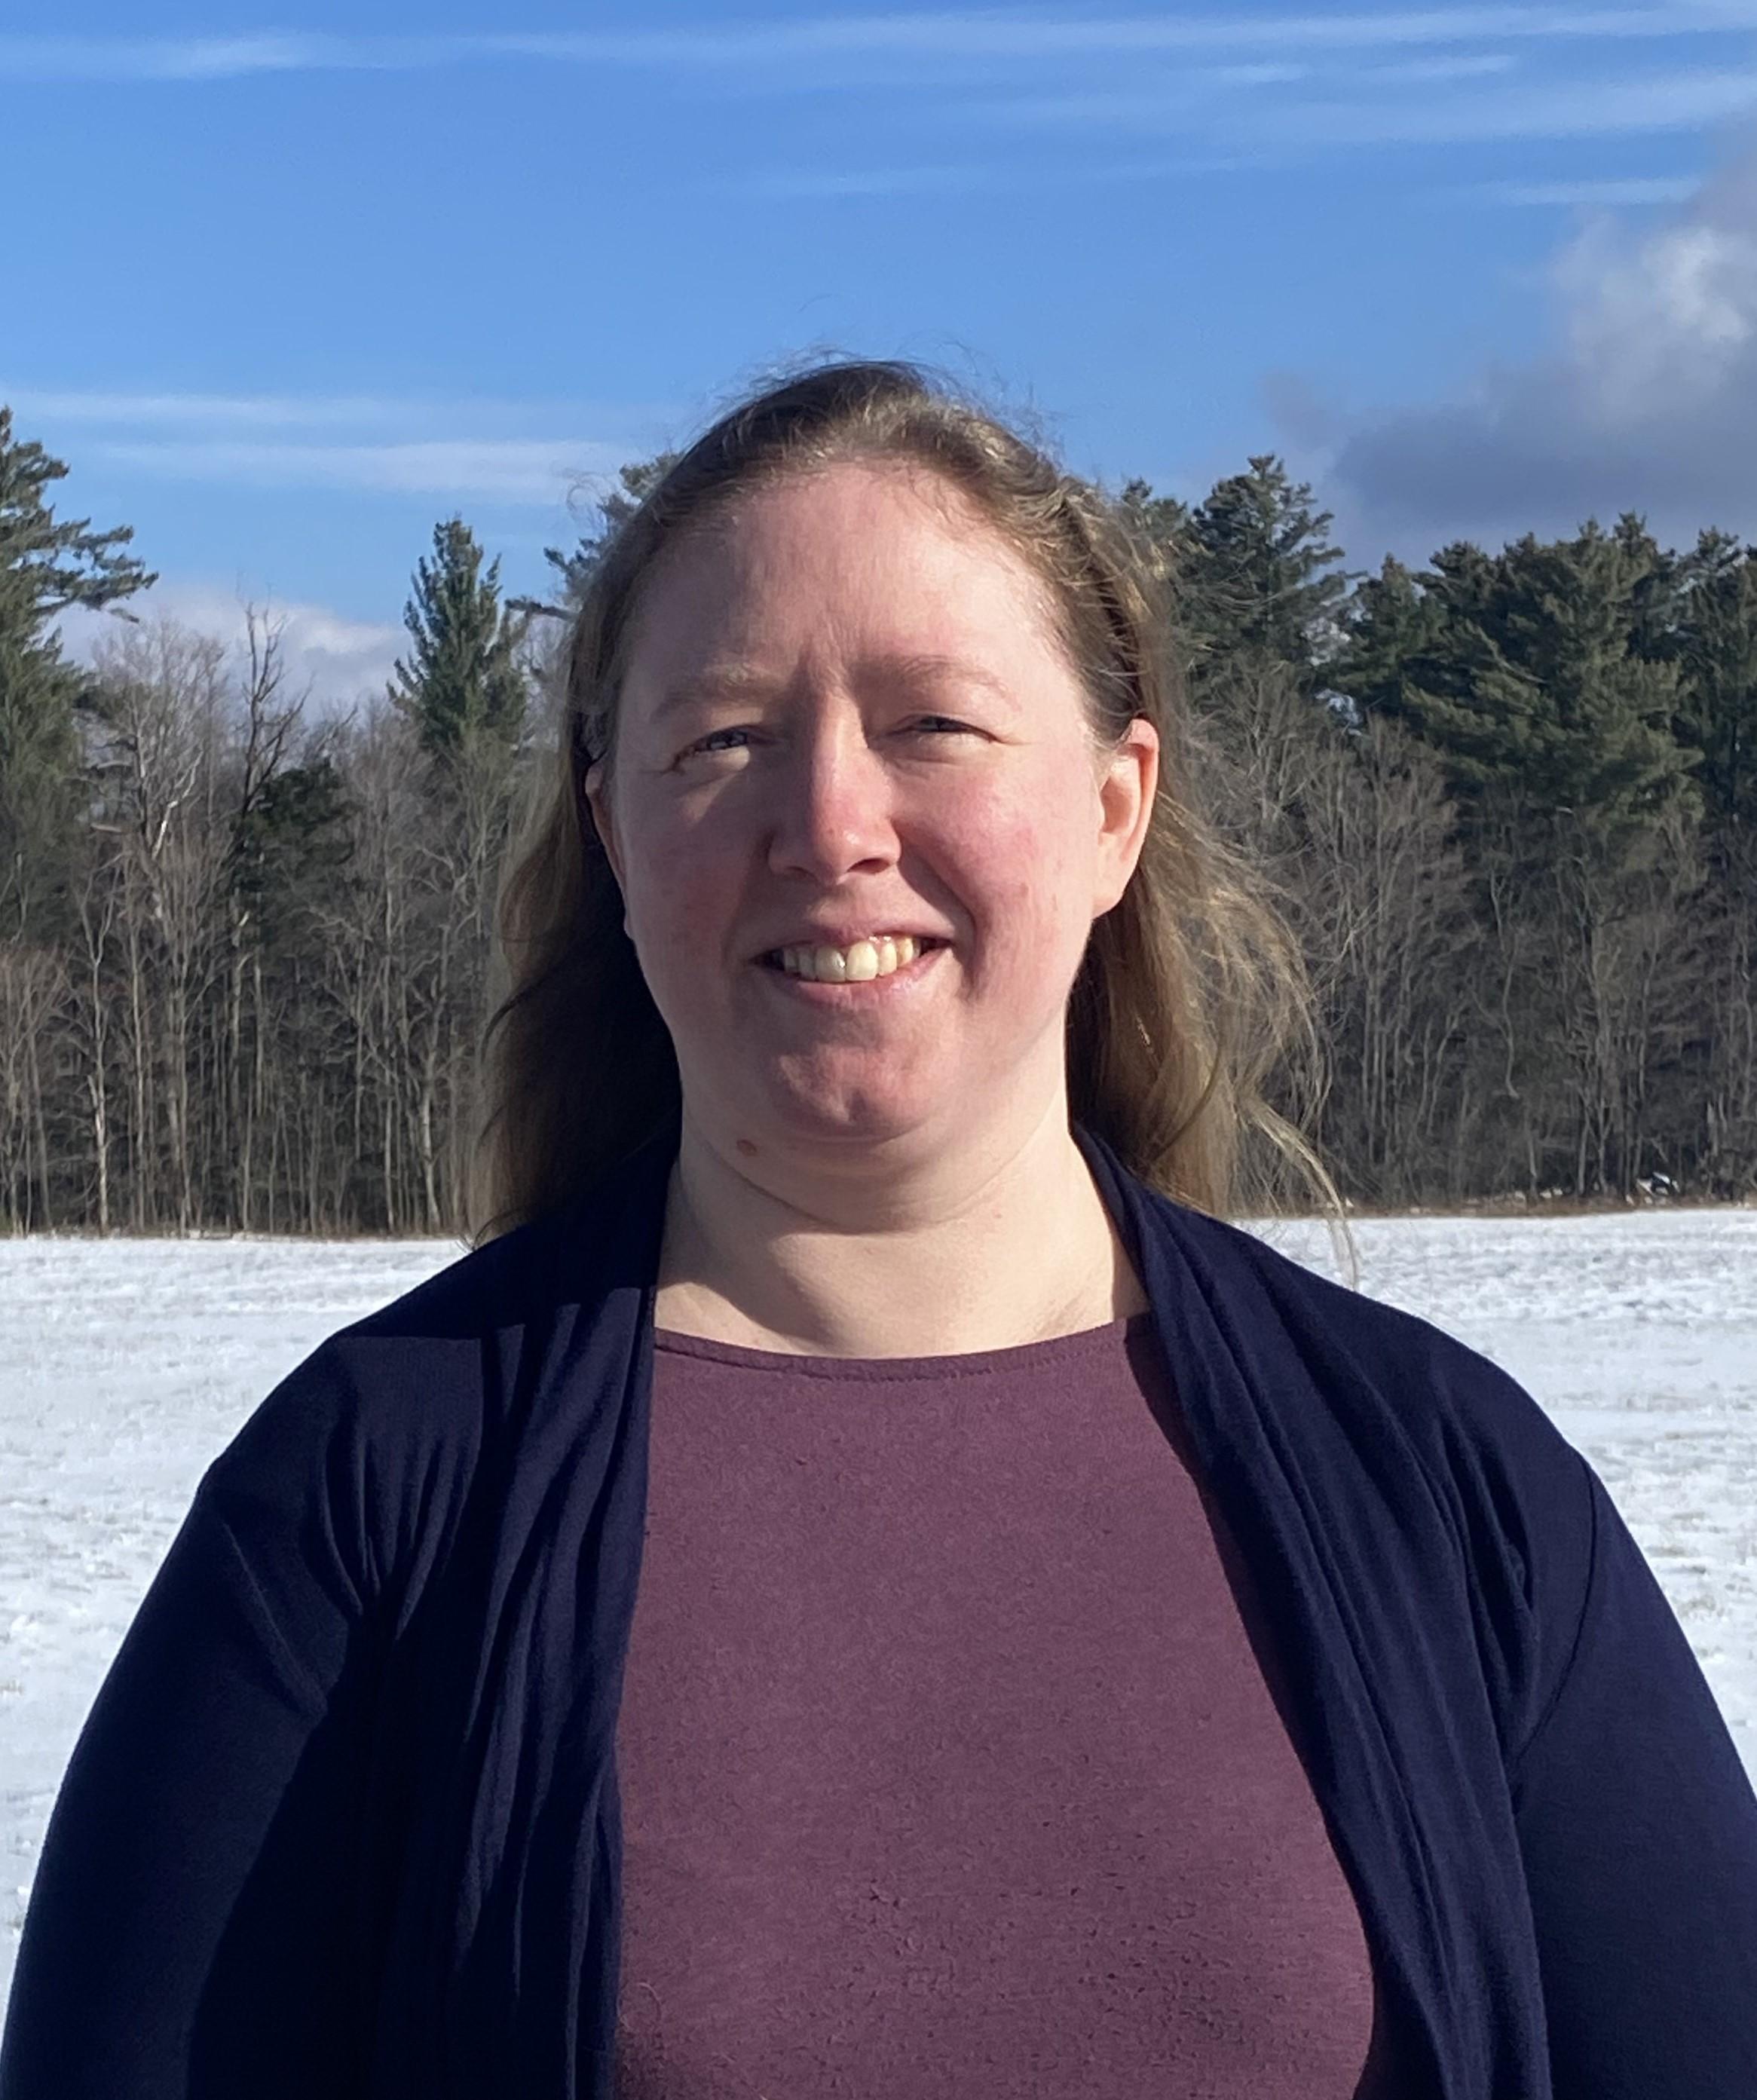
[[853, 1118]]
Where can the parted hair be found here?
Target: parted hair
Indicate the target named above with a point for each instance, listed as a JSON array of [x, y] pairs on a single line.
[[1191, 1001]]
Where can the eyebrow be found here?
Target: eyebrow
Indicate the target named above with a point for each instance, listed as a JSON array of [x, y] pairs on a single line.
[[737, 682], [727, 682]]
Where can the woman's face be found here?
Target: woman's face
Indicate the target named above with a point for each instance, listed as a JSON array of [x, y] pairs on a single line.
[[846, 716]]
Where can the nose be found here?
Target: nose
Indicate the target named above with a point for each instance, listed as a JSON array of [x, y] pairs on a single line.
[[833, 815]]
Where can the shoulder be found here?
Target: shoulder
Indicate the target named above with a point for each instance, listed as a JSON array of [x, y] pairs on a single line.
[[384, 1422], [372, 1443], [430, 1340], [1441, 1443], [1443, 1393]]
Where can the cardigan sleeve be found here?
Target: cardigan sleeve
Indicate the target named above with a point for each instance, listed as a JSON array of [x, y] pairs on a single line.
[[189, 1930], [1639, 1830]]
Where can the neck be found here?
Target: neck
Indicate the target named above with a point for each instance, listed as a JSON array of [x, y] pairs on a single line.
[[997, 1244]]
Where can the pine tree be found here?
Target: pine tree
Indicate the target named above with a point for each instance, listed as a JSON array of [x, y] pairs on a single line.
[[1260, 573], [1162, 521], [45, 567], [1393, 624], [1716, 641], [1522, 668], [463, 680], [635, 483]]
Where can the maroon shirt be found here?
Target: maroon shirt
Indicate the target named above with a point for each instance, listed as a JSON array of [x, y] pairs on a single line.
[[947, 1764]]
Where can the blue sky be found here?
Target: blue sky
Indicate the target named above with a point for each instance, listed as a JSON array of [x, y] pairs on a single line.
[[285, 287]]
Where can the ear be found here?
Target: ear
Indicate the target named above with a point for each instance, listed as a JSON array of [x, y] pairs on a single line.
[[597, 802], [1127, 787]]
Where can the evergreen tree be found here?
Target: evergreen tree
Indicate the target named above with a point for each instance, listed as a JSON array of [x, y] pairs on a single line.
[[463, 680], [1260, 574], [1393, 626], [45, 567], [1523, 668], [1715, 642], [1655, 590], [291, 845], [635, 483], [1162, 521]]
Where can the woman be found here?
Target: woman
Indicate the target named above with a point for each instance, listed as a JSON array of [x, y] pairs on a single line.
[[862, 1583]]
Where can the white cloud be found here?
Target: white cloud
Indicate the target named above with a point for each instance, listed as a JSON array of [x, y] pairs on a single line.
[[1656, 323], [1646, 399], [924, 34], [1322, 81], [936, 179], [150, 58], [1607, 193], [1184, 103], [928, 180], [1421, 73], [1260, 72], [480, 449], [333, 659], [197, 59], [542, 471], [1675, 102], [999, 33], [225, 410]]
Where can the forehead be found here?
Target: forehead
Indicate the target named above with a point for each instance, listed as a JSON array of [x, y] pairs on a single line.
[[839, 554]]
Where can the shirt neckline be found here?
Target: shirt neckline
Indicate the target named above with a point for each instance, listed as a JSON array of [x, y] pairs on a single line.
[[976, 1363]]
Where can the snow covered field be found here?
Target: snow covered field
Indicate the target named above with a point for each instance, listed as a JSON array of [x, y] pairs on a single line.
[[126, 1366]]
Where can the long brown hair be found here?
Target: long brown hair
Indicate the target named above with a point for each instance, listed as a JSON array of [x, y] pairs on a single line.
[[1192, 993]]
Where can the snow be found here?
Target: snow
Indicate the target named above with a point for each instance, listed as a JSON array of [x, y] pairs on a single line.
[[127, 1365]]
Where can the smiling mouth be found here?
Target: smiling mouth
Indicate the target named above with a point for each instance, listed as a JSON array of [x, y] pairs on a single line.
[[866, 962]]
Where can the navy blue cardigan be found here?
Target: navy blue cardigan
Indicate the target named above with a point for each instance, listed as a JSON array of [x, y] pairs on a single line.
[[343, 1818]]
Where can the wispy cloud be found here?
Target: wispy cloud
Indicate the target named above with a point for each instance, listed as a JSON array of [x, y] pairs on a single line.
[[479, 450], [1178, 105], [1677, 102], [938, 179], [1611, 194], [204, 410], [514, 470], [143, 407], [155, 58], [1294, 85], [927, 35], [930, 180], [1260, 72], [1424, 73]]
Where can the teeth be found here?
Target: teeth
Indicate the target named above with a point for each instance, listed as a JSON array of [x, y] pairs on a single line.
[[859, 964]]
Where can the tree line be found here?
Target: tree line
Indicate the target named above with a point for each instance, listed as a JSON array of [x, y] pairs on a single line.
[[1508, 801]]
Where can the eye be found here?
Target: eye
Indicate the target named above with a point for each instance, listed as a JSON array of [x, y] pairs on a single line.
[[711, 742], [938, 725]]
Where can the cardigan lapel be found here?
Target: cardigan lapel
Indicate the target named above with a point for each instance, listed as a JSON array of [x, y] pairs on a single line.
[[1281, 1468]]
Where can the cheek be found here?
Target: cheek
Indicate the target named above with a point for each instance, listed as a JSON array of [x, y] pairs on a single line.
[[678, 873], [1029, 867]]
